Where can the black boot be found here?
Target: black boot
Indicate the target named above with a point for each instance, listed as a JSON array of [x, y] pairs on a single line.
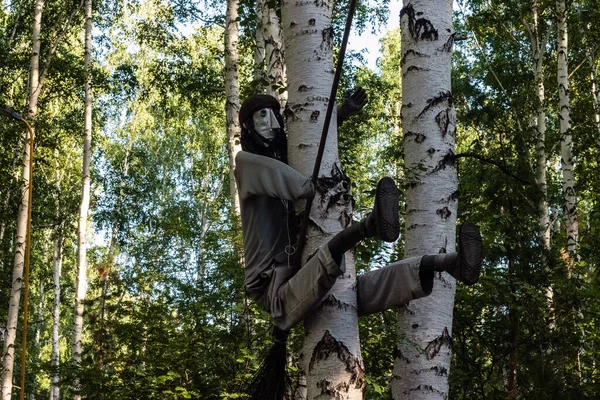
[[470, 254], [382, 223], [465, 265]]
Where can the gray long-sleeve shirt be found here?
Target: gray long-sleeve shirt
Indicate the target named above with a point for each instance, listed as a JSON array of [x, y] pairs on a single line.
[[267, 188]]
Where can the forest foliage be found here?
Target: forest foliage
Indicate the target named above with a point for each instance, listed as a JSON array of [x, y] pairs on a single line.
[[166, 315]]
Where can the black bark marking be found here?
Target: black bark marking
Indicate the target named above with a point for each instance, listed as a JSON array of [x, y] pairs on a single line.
[[454, 196], [437, 370], [327, 346], [443, 97], [332, 392], [449, 160], [334, 189], [331, 301], [429, 389], [304, 88], [419, 137], [411, 52], [449, 43], [312, 22], [289, 114], [413, 226], [420, 29], [444, 120], [324, 385], [444, 213], [440, 371], [314, 116], [415, 326], [434, 347], [398, 355], [327, 36], [414, 68]]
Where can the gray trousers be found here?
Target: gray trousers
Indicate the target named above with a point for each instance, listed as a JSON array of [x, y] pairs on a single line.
[[290, 298]]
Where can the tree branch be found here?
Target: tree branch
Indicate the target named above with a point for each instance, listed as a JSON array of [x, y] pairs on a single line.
[[55, 44], [493, 162]]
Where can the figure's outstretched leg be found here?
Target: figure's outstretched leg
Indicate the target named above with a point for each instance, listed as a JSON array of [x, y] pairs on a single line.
[[465, 265], [412, 278], [382, 223]]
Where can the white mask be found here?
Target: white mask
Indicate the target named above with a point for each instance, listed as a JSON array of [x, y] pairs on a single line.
[[265, 123]]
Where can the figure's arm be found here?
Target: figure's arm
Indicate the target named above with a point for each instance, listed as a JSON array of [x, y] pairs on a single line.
[[352, 104], [259, 175]]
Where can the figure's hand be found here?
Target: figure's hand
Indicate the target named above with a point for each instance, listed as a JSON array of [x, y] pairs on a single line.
[[352, 104]]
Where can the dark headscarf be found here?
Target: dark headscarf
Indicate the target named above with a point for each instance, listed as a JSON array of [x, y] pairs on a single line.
[[251, 140]]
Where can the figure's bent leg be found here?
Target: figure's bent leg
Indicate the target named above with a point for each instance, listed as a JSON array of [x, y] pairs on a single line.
[[291, 300], [465, 265], [393, 286], [382, 223]]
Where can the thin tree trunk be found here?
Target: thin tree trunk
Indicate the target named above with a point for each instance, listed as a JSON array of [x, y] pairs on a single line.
[[84, 206], [569, 195], [259, 49], [36, 341], [273, 50], [232, 105], [3, 223], [538, 47], [513, 316], [330, 356], [57, 258], [17, 276], [422, 361], [595, 87]]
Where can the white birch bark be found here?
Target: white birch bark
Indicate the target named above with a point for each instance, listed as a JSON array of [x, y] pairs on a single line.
[[259, 49], [17, 276], [330, 356], [274, 53], [422, 362], [595, 86], [569, 194], [57, 258], [538, 48], [37, 344], [84, 206], [232, 105]]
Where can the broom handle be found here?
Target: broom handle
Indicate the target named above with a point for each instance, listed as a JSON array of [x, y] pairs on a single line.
[[330, 104]]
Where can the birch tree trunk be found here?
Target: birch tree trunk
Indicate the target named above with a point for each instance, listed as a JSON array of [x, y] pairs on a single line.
[[84, 206], [538, 48], [422, 362], [17, 276], [595, 86], [330, 356], [57, 258], [273, 50], [232, 91], [259, 49], [37, 344], [569, 194]]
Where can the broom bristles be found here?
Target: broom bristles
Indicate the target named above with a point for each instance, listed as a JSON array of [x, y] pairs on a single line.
[[271, 380]]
